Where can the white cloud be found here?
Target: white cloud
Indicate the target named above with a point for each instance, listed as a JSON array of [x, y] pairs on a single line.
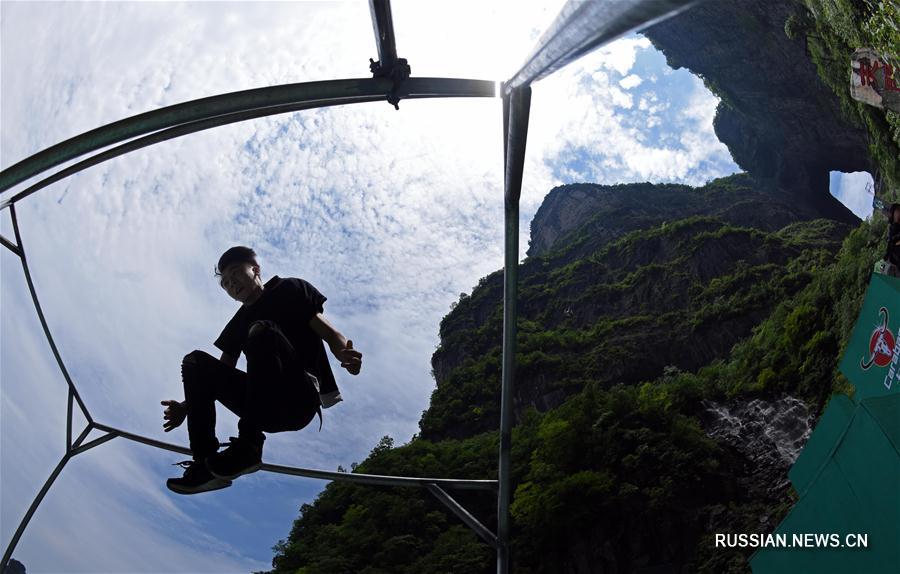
[[630, 81], [602, 144], [621, 55]]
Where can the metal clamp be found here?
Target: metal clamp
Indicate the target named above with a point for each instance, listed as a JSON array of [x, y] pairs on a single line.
[[398, 72]]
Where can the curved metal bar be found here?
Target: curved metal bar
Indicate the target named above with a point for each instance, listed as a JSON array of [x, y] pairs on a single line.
[[583, 26], [163, 135], [40, 312], [331, 92]]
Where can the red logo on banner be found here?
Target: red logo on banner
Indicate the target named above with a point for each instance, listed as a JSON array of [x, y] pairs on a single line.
[[881, 345]]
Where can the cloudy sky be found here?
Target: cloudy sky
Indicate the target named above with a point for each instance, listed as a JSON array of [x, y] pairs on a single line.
[[391, 214]]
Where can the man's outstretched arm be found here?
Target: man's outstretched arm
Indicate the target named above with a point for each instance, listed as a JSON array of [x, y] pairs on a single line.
[[341, 347]]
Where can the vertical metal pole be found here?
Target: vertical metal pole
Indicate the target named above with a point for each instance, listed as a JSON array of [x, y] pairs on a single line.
[[383, 25], [516, 108], [69, 423]]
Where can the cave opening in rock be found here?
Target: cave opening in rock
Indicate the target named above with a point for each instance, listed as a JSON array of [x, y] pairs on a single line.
[[855, 190]]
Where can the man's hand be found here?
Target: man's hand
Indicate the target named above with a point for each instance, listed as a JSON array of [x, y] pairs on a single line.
[[174, 414], [350, 358]]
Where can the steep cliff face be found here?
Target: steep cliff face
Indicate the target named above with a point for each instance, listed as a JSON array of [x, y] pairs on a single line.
[[777, 117], [640, 276]]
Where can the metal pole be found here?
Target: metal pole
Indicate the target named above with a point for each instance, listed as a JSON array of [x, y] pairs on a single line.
[[372, 479], [585, 25], [518, 104], [464, 515], [326, 93], [40, 312], [163, 135], [10, 245], [383, 25], [69, 422], [31, 510]]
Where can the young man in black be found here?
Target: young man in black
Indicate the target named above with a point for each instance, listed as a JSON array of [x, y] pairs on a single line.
[[280, 329]]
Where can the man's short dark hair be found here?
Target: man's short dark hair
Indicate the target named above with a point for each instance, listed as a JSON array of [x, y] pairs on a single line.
[[237, 254]]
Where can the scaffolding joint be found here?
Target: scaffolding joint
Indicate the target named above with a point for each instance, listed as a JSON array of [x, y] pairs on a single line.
[[397, 71]]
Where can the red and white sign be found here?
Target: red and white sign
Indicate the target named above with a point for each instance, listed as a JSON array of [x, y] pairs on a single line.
[[873, 80]]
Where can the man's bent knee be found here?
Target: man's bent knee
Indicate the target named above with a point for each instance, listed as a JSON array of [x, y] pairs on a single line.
[[195, 357], [191, 363]]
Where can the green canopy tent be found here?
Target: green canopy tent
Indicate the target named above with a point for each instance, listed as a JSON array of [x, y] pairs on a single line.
[[848, 475]]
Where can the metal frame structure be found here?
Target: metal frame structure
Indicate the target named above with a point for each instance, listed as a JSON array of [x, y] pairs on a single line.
[[581, 26]]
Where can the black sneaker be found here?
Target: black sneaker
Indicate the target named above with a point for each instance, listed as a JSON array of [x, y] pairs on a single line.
[[196, 479], [241, 457]]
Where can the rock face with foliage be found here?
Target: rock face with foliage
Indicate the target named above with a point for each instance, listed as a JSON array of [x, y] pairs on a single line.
[[777, 117], [627, 292], [664, 331]]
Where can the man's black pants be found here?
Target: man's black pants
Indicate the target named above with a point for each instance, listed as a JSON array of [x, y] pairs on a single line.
[[274, 394]]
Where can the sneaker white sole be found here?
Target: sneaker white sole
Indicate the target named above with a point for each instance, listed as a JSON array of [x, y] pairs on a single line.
[[247, 470], [217, 484]]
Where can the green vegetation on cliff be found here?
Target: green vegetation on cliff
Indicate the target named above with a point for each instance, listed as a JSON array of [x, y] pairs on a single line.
[[681, 294], [614, 468], [833, 29]]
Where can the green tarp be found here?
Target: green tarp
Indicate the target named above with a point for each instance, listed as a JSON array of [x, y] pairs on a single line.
[[848, 475], [872, 359]]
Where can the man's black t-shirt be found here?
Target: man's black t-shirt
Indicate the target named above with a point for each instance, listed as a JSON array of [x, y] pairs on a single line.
[[290, 303]]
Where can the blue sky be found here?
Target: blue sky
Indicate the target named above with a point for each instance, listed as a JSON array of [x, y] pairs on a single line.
[[390, 214], [851, 190]]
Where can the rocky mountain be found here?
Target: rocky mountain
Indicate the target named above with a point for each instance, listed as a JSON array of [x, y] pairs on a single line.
[[777, 117], [639, 278]]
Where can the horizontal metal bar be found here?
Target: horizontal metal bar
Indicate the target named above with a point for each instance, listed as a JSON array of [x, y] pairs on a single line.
[[377, 479], [331, 92], [11, 246], [464, 515], [40, 312], [583, 26], [324, 474], [31, 510], [143, 439]]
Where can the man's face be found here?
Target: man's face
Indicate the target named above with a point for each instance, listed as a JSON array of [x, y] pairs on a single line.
[[239, 281]]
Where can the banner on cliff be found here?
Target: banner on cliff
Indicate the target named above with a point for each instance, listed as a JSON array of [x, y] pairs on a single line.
[[873, 81], [872, 359]]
